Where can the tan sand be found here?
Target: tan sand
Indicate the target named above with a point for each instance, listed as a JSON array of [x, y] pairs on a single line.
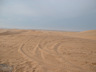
[[48, 51]]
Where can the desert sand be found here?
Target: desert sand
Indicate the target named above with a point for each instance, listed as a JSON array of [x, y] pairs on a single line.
[[47, 51]]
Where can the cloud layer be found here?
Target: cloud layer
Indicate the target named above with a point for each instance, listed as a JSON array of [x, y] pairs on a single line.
[[46, 12]]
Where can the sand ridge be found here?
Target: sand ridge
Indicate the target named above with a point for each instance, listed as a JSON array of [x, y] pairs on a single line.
[[48, 51]]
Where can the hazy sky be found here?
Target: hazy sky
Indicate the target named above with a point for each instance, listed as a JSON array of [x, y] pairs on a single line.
[[71, 15]]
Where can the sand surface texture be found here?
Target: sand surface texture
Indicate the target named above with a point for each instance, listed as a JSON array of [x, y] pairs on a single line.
[[47, 51]]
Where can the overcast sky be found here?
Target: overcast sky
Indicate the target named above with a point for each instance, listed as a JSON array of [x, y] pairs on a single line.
[[70, 15]]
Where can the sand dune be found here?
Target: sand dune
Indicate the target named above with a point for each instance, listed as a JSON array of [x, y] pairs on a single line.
[[89, 31], [48, 51]]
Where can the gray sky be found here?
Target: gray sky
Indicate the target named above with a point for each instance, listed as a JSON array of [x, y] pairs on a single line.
[[71, 15]]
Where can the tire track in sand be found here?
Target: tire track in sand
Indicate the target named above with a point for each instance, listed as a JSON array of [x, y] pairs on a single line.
[[62, 59], [44, 57]]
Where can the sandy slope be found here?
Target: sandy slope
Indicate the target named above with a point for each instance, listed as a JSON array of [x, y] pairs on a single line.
[[48, 51]]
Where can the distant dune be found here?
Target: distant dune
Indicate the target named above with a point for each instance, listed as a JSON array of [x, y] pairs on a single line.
[[47, 51], [90, 31], [88, 34]]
